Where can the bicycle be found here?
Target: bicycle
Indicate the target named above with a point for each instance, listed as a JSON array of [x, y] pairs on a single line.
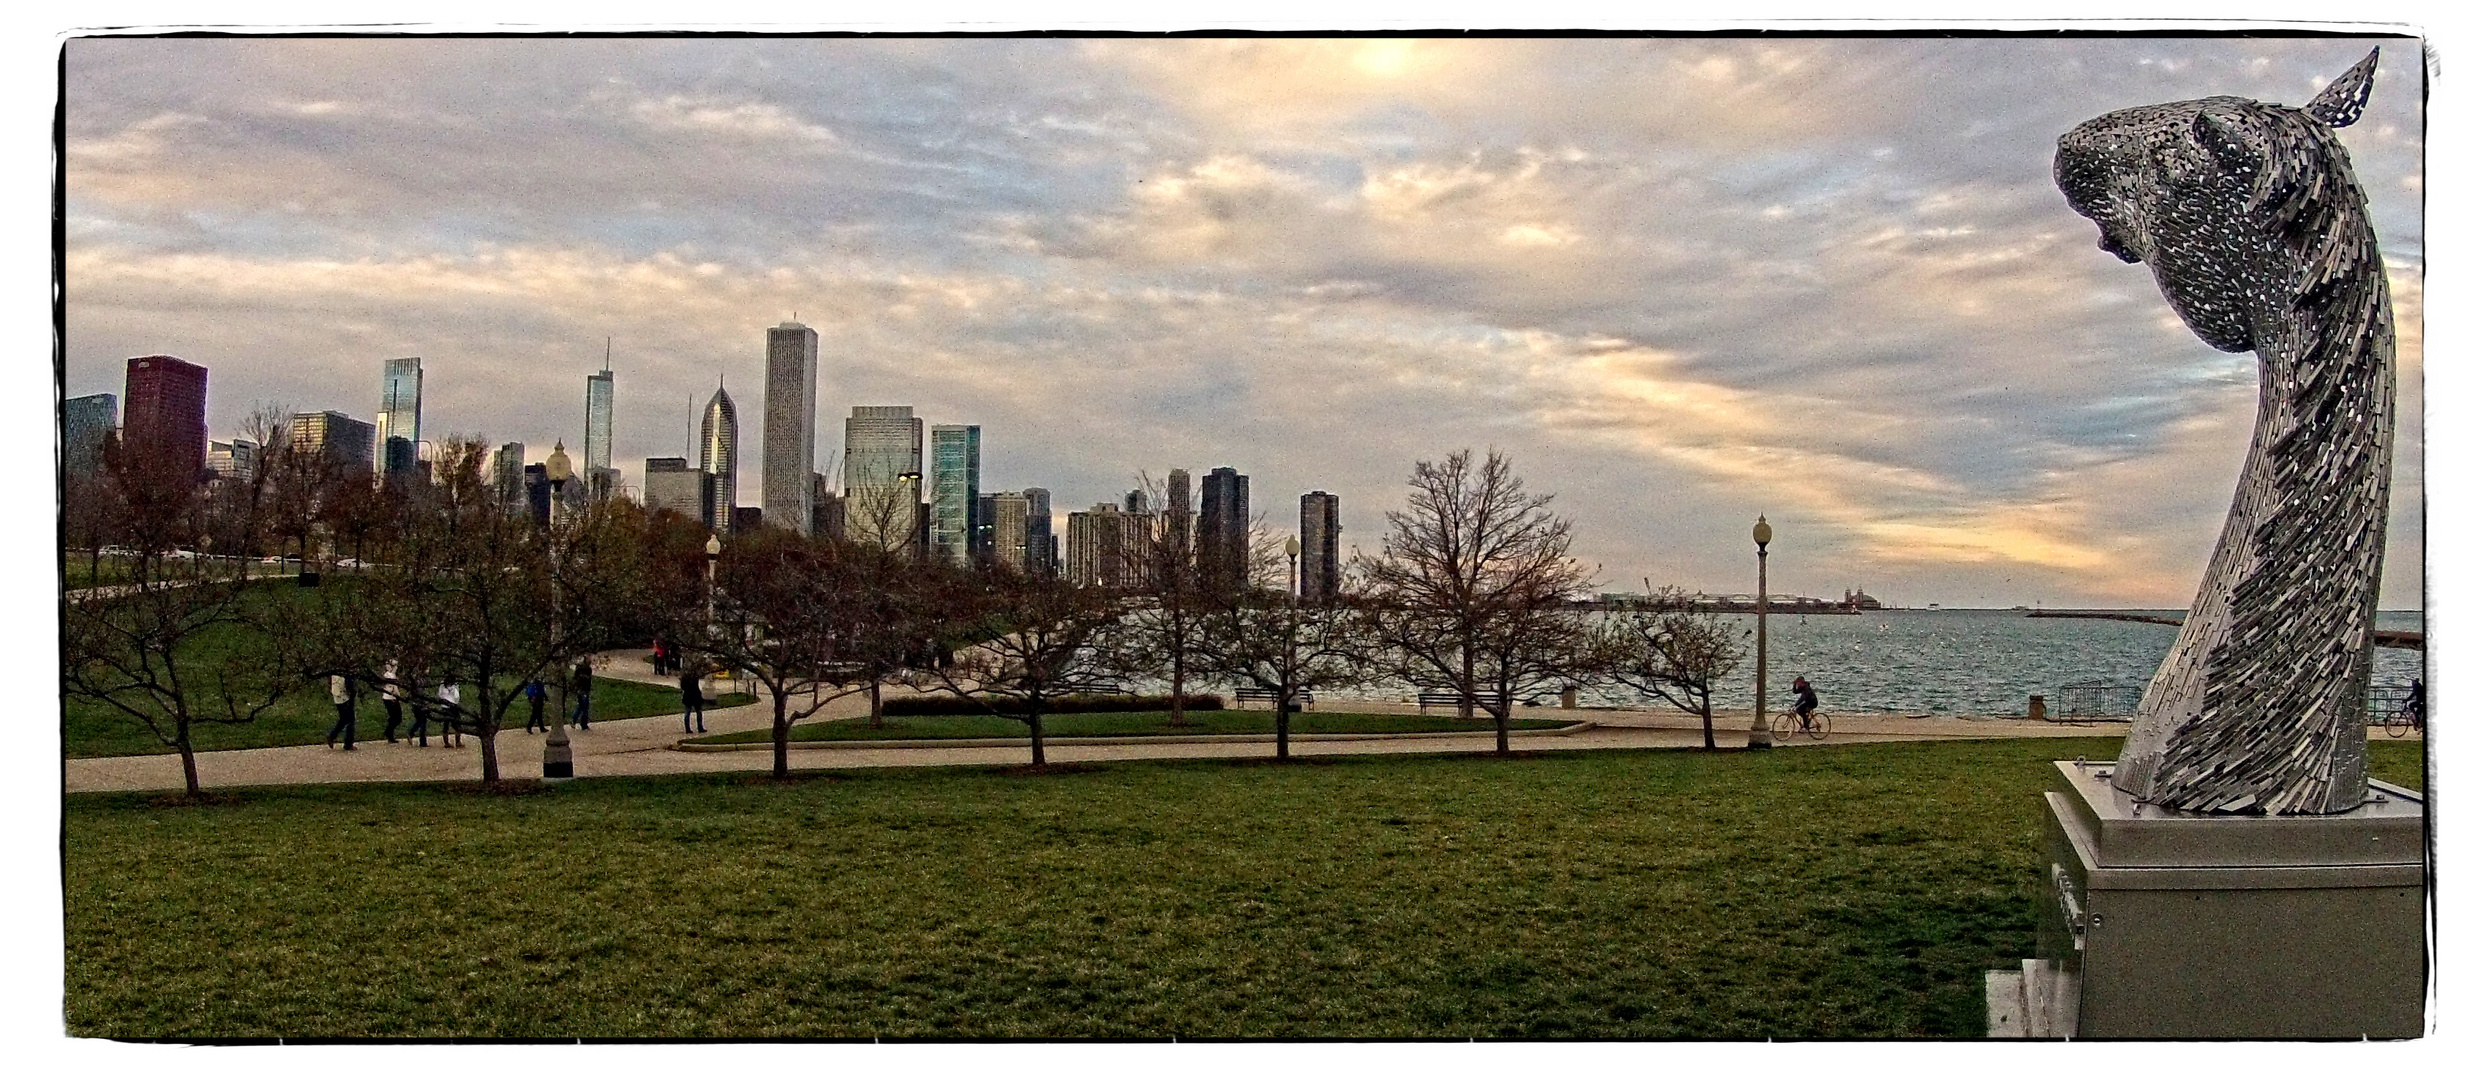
[[2401, 721], [1789, 724]]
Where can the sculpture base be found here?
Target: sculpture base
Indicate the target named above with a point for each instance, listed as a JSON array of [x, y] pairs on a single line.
[[2165, 924]]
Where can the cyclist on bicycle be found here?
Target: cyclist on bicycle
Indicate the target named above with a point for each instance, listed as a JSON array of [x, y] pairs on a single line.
[[2416, 703], [1805, 701]]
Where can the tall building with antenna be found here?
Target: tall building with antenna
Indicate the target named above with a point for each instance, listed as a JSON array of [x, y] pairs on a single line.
[[719, 439], [601, 477], [789, 423]]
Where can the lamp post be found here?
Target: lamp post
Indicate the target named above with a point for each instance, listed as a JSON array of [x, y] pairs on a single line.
[[1760, 739], [557, 744], [715, 548], [1294, 584]]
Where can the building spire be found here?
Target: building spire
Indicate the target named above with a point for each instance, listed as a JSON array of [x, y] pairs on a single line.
[[608, 354]]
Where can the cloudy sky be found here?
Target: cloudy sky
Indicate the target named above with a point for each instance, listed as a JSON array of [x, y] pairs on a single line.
[[1681, 281]]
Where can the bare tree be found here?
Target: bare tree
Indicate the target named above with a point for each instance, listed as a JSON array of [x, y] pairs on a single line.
[[809, 617], [179, 645], [1023, 643], [1165, 636], [882, 510], [1286, 646], [478, 596], [1469, 589], [1660, 648]]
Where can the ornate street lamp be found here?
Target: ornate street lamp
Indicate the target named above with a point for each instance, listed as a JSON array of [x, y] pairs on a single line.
[[1294, 585], [1760, 739], [557, 745]]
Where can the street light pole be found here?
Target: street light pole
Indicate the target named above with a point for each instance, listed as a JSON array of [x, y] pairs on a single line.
[[1294, 584], [557, 744], [1760, 738]]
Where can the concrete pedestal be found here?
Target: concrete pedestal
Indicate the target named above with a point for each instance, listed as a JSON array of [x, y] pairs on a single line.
[[2167, 924]]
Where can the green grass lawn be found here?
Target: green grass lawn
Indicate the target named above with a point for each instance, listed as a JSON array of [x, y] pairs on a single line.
[[1226, 722], [91, 730], [1841, 891]]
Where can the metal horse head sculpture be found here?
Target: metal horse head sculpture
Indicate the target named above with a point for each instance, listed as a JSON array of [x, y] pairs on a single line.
[[2251, 218]]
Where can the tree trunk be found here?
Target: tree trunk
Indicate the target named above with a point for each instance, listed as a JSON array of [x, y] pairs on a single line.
[[1502, 729], [1708, 735], [1035, 736], [1284, 712], [1174, 716], [779, 730], [487, 736], [189, 757], [876, 715], [1467, 684]]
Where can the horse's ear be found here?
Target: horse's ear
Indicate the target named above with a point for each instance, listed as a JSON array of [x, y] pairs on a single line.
[[2344, 101]]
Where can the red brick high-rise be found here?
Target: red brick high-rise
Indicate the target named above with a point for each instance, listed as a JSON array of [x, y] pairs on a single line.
[[164, 409]]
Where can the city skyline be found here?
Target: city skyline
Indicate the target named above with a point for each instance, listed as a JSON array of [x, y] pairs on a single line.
[[1684, 283]]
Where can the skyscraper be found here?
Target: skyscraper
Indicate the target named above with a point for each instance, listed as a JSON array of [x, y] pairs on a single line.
[[339, 441], [1225, 529], [233, 461], [673, 485], [509, 475], [1180, 512], [719, 442], [85, 423], [1318, 573], [789, 423], [957, 452], [165, 411], [1040, 547], [401, 408], [884, 475], [598, 450], [1008, 529]]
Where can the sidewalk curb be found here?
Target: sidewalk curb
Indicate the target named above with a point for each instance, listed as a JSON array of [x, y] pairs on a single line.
[[1104, 740]]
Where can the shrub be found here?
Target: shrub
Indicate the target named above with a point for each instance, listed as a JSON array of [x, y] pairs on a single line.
[[946, 706]]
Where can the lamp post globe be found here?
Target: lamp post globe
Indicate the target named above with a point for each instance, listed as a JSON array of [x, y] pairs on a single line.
[[1759, 738], [1294, 585]]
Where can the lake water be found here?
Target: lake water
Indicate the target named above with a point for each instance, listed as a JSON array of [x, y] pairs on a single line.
[[1977, 663]]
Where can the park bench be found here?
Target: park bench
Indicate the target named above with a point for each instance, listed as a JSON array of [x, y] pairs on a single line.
[[1254, 693], [1426, 699]]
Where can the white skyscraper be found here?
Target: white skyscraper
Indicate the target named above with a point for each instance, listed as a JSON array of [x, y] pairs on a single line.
[[719, 439]]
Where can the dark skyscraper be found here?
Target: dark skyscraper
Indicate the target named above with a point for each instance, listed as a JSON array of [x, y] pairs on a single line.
[[789, 426], [1319, 572], [1039, 531], [1225, 529], [85, 422], [165, 410], [339, 441]]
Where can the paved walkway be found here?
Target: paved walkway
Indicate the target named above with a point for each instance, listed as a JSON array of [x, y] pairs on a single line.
[[645, 746]]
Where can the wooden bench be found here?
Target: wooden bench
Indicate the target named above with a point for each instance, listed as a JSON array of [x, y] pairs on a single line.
[[1254, 693]]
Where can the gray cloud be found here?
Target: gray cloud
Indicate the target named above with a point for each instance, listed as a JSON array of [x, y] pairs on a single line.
[[1684, 281]]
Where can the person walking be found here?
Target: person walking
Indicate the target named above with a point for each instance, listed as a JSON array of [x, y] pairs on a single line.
[[582, 684], [421, 733], [389, 693], [535, 705], [694, 703], [449, 728], [341, 694], [658, 656]]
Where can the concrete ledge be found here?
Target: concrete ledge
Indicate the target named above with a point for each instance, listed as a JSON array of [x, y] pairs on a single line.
[[1105, 740]]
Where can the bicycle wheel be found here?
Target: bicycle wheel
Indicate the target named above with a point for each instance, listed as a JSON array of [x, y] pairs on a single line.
[[2395, 724], [1783, 726], [1819, 727]]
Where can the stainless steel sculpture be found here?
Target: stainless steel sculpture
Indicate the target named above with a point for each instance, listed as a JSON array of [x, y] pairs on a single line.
[[2251, 218]]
